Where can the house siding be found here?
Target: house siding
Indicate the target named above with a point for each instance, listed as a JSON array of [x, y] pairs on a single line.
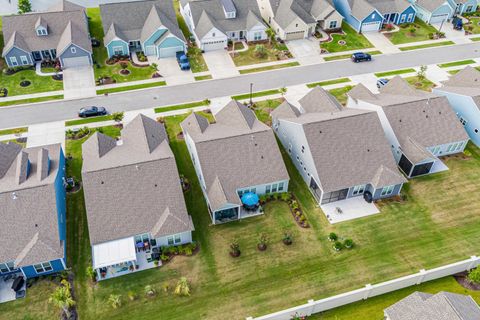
[[343, 8], [336, 16], [67, 53], [151, 40], [117, 43], [57, 265], [185, 237], [377, 194], [373, 17], [171, 42], [462, 8], [404, 15], [60, 194], [258, 28], [426, 15], [17, 53]]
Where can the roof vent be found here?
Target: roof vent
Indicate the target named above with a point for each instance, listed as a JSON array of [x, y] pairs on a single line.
[[102, 182]]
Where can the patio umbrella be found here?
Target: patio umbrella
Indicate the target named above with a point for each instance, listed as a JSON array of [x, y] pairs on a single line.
[[250, 199]]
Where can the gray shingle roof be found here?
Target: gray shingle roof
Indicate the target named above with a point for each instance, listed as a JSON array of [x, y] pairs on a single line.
[[137, 20], [247, 15], [286, 11], [134, 187], [30, 208], [360, 9], [319, 100], [441, 306], [63, 27], [237, 151], [64, 5], [389, 6], [430, 5], [466, 82]]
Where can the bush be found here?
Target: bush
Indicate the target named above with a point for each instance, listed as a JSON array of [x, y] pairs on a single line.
[[117, 116], [149, 291], [285, 196], [235, 248], [332, 236], [260, 51], [287, 238], [115, 301], [182, 288], [474, 276], [348, 243], [91, 272], [131, 296], [337, 246]]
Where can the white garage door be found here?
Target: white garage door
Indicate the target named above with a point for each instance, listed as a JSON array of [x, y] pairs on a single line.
[[370, 26], [169, 52], [214, 45], [150, 51], [76, 62], [438, 18], [294, 35]]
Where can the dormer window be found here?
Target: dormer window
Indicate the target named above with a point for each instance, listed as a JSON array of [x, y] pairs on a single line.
[[41, 31], [229, 9]]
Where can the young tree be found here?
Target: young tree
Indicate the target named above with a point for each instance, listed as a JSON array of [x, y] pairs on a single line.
[[283, 91], [24, 6], [117, 117], [474, 276], [62, 298], [260, 51], [421, 73], [182, 288], [115, 300], [270, 34]]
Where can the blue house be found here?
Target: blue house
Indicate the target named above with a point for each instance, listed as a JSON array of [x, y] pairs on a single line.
[[33, 211], [463, 92], [148, 26], [464, 6], [434, 11]]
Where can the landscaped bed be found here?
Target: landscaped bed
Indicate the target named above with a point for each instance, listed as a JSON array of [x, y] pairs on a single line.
[[349, 40], [37, 84], [269, 52], [421, 84], [412, 32]]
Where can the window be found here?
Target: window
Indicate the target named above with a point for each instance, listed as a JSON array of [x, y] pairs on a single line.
[[213, 34], [459, 147], [387, 190], [290, 148], [170, 241], [463, 121], [280, 186], [24, 59], [358, 189], [73, 50], [296, 25], [402, 19], [333, 24], [41, 32], [3, 268], [475, 130], [303, 149], [178, 239], [267, 188], [274, 187], [470, 8], [43, 267], [13, 61], [116, 51], [257, 36], [253, 190], [298, 158], [410, 17], [373, 15]]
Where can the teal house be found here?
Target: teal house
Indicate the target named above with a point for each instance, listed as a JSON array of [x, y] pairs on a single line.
[[147, 26]]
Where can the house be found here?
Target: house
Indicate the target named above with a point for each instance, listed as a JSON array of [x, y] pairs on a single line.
[[236, 156], [133, 198], [299, 19], [463, 92], [214, 22], [434, 11], [33, 211], [395, 11], [61, 33], [426, 306], [360, 14], [463, 6], [149, 26], [340, 153], [420, 126]]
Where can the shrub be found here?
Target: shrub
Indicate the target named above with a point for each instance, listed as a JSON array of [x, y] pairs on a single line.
[[285, 196], [332, 236], [260, 51], [337, 246], [348, 243], [117, 116], [263, 239], [413, 30], [131, 295], [287, 238], [163, 257], [115, 301], [474, 276], [91, 273], [182, 288], [235, 248], [430, 35], [149, 291]]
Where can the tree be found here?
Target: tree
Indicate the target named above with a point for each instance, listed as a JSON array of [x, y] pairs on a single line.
[[270, 34], [24, 6], [182, 288], [117, 117], [421, 73], [474, 276], [62, 298], [260, 51], [283, 91]]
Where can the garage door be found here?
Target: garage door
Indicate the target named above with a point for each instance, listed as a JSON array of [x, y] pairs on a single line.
[[438, 18], [76, 62], [214, 45], [169, 52], [370, 26], [150, 51], [294, 35]]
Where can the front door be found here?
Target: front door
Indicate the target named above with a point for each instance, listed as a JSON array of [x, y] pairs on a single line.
[[241, 34], [36, 56], [46, 54]]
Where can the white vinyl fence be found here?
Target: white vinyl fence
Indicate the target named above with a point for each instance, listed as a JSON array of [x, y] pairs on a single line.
[[370, 291]]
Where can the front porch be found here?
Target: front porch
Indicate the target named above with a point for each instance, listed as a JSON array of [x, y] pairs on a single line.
[[6, 292], [348, 209]]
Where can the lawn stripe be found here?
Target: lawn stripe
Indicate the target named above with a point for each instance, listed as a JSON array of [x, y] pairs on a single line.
[[429, 45], [394, 72], [256, 94], [182, 106], [13, 131], [267, 68], [133, 87], [88, 120], [456, 63], [31, 100], [328, 82]]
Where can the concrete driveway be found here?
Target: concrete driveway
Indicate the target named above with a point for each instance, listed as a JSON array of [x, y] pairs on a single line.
[[379, 41], [79, 83], [306, 51], [220, 64], [171, 72]]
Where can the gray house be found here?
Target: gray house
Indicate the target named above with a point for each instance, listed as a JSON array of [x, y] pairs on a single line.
[[420, 126], [214, 22], [426, 306], [237, 155], [148, 26], [340, 153], [60, 33], [133, 198]]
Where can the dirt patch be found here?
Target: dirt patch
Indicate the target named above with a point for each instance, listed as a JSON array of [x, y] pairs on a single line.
[[464, 282]]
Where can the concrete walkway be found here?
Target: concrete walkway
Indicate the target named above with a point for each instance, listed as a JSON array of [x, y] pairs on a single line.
[[38, 71], [46, 133], [380, 42]]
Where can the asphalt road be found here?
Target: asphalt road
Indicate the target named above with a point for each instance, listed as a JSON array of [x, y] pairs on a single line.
[[169, 95]]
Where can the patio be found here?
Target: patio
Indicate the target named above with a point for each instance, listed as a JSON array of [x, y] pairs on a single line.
[[7, 293], [348, 209]]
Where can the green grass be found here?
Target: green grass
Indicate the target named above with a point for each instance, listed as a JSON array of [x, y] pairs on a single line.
[[341, 94], [197, 62], [347, 56], [249, 57], [31, 100], [100, 55], [38, 83], [181, 106], [475, 39], [267, 68], [422, 31], [132, 87], [452, 72], [456, 63], [429, 45], [13, 131], [205, 77], [354, 41], [328, 82], [473, 27], [263, 108], [88, 120], [256, 94], [394, 72], [425, 84], [373, 308]]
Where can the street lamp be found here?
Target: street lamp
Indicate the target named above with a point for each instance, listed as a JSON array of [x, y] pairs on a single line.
[[251, 93]]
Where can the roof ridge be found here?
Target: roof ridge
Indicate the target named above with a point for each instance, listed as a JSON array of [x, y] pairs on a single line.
[[22, 255]]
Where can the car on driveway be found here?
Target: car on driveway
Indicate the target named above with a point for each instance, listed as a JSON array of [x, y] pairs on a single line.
[[361, 56], [182, 60], [92, 112], [381, 82]]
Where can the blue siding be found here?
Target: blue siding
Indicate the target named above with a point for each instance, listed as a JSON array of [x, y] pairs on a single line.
[[61, 197], [171, 42], [343, 8], [117, 43], [154, 37], [18, 53], [404, 14], [30, 272]]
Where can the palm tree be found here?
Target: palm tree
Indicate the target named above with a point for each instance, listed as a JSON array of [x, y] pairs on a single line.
[[117, 117], [62, 298], [182, 288]]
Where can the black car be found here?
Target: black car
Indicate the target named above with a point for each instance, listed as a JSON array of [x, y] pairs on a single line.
[[91, 112], [361, 56]]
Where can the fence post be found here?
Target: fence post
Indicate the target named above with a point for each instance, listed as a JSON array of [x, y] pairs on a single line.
[[423, 272], [311, 303], [368, 288], [472, 264]]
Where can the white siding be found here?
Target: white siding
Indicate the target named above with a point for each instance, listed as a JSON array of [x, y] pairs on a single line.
[[185, 237]]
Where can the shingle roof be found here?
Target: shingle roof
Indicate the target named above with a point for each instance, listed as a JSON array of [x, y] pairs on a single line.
[[286, 11], [29, 206], [430, 5], [441, 306], [389, 6], [134, 187], [319, 100], [62, 27], [247, 15], [418, 119], [360, 9], [466, 82], [64, 5], [237, 151], [137, 20]]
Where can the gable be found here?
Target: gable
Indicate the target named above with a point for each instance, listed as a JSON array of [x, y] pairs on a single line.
[[214, 31], [373, 17], [293, 25], [170, 41], [68, 53], [155, 36]]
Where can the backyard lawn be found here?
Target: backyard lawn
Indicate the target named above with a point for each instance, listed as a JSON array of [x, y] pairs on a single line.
[[474, 26], [352, 39], [405, 34]]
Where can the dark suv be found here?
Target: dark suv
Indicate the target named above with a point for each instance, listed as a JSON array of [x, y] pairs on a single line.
[[361, 56]]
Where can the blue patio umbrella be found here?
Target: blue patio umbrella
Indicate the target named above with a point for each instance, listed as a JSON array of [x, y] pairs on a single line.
[[250, 199]]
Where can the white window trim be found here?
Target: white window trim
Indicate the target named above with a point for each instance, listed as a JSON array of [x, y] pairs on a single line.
[[117, 47], [24, 61], [13, 61], [44, 265], [386, 191], [358, 190]]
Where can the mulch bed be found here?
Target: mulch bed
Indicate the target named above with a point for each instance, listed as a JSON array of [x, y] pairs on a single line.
[[463, 281], [171, 255], [25, 83], [3, 92], [124, 72], [396, 199], [457, 156]]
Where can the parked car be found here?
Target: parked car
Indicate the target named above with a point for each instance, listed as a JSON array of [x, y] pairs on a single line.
[[182, 60], [92, 112], [361, 56], [381, 82]]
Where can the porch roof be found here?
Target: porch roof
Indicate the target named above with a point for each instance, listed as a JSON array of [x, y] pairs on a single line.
[[114, 252]]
